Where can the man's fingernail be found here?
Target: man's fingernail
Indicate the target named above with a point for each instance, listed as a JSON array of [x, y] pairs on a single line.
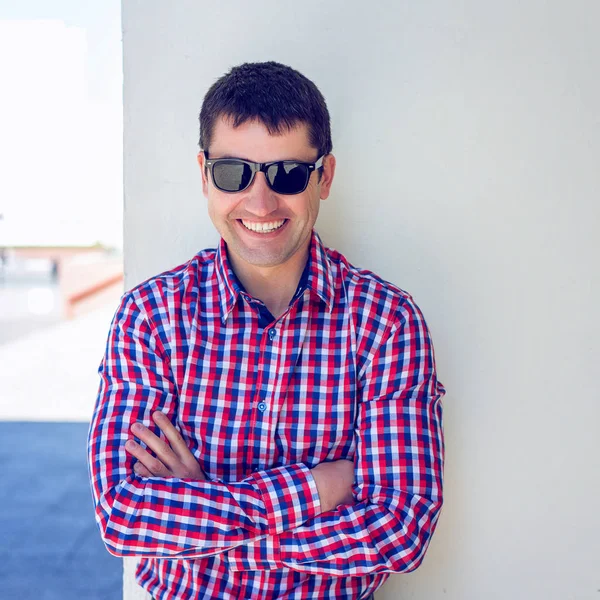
[[137, 427], [130, 445]]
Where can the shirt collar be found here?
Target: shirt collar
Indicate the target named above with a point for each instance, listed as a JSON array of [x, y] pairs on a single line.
[[320, 276], [319, 279], [227, 283]]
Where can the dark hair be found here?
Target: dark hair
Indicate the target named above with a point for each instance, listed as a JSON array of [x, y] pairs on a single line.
[[274, 94]]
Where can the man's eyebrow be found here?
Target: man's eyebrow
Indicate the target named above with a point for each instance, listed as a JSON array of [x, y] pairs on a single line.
[[217, 156], [226, 155]]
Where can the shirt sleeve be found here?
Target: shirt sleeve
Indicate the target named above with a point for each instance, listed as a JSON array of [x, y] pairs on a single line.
[[173, 517], [399, 469]]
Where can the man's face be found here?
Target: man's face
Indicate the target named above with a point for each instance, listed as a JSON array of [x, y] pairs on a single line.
[[240, 217]]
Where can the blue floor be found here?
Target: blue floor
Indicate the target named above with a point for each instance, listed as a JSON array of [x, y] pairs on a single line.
[[50, 547]]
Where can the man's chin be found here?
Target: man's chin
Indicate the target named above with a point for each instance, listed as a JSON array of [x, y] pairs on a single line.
[[267, 254], [263, 260]]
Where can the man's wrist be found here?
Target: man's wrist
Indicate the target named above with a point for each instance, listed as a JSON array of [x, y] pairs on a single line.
[[334, 483]]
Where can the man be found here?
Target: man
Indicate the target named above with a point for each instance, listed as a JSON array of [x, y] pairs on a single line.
[[285, 403]]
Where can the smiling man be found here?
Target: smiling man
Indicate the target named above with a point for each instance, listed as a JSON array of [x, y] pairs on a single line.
[[267, 225], [269, 419]]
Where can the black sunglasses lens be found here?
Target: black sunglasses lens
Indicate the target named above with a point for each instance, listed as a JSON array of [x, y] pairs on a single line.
[[288, 177], [231, 175]]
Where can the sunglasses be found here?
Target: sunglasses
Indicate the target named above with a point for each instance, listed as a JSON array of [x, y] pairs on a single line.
[[283, 176]]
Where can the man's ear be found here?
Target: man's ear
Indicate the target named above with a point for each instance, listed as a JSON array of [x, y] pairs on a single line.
[[327, 176], [204, 172]]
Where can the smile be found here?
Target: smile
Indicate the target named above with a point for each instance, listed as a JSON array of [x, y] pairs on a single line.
[[260, 227]]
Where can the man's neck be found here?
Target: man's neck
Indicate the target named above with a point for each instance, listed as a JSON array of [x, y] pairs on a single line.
[[275, 286]]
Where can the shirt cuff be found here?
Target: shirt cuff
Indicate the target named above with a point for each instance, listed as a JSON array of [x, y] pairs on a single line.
[[261, 554], [290, 496]]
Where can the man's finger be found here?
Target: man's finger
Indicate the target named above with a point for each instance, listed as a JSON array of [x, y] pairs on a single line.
[[141, 470], [188, 465], [176, 441], [160, 447], [155, 467]]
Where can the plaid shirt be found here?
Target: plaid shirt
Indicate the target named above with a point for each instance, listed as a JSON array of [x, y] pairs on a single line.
[[347, 372]]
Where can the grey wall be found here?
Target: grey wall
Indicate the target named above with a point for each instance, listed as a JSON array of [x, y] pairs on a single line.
[[468, 140]]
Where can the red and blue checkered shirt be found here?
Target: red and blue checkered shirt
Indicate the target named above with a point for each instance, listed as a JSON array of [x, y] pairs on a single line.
[[348, 372]]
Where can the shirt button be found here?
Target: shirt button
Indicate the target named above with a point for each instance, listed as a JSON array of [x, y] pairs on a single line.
[[272, 334], [262, 406]]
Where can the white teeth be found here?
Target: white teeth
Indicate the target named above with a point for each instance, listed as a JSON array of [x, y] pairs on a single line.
[[263, 227]]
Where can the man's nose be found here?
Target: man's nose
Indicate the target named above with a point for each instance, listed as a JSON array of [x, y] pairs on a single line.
[[260, 199]]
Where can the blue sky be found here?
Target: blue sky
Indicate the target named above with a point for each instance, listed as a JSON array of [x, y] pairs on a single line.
[[61, 122]]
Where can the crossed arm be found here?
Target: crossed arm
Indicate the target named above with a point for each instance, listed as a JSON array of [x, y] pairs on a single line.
[[172, 458], [289, 516]]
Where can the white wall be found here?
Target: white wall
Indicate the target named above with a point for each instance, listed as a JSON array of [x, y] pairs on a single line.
[[468, 143]]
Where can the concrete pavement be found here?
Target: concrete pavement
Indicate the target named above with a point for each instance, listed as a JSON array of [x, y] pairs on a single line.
[[50, 374], [50, 548]]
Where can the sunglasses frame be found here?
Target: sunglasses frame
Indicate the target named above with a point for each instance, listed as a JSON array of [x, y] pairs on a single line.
[[263, 167]]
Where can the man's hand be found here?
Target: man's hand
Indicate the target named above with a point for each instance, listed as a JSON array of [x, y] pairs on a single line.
[[173, 459], [334, 482]]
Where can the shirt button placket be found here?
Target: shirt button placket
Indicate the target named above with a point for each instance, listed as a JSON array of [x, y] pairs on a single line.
[[272, 332]]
